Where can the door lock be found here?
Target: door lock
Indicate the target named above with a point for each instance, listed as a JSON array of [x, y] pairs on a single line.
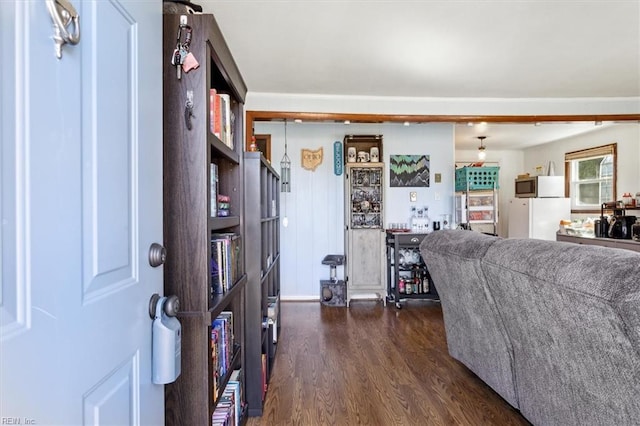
[[157, 255], [166, 338]]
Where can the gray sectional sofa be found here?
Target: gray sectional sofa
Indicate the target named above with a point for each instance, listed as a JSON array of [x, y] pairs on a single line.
[[552, 327]]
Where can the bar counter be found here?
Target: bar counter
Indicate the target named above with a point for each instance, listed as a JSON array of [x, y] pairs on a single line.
[[607, 242]]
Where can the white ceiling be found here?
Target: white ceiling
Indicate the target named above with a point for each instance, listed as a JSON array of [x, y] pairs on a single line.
[[510, 136], [453, 49]]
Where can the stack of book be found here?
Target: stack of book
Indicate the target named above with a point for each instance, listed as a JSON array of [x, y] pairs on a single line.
[[226, 261], [228, 412], [221, 348], [221, 117], [223, 205]]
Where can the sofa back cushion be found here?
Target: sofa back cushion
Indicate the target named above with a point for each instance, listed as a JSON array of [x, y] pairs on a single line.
[[475, 335], [572, 313]]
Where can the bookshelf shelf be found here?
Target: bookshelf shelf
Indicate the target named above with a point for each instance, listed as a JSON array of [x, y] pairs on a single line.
[[213, 325], [218, 223], [219, 148]]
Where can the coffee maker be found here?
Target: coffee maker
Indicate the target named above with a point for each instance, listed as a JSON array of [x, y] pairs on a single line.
[[620, 225]]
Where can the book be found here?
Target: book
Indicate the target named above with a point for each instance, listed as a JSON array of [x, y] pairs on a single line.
[[235, 382], [213, 182], [226, 250], [225, 119], [217, 123], [217, 269], [212, 109]]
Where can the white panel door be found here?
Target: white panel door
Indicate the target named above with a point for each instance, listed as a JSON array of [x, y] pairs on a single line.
[[81, 204]]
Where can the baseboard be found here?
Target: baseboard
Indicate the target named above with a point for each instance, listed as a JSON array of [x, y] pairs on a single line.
[[300, 298]]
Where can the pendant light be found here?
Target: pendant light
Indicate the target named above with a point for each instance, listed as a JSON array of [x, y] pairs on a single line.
[[481, 149], [285, 176], [285, 166]]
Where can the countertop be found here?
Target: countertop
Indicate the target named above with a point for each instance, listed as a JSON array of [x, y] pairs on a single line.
[[607, 242]]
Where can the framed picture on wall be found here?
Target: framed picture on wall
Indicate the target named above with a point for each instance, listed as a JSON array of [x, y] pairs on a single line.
[[409, 170]]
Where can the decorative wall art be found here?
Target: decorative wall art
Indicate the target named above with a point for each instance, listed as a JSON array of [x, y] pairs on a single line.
[[337, 158], [311, 159], [409, 170]]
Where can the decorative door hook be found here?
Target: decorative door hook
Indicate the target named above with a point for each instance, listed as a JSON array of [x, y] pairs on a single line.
[[63, 14]]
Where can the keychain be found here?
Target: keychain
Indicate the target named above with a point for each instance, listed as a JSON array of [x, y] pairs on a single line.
[[182, 59]]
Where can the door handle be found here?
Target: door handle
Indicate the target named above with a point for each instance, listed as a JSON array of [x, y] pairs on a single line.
[[171, 305], [157, 255], [63, 14]]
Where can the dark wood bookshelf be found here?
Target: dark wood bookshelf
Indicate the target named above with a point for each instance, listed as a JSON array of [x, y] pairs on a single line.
[[189, 221], [262, 228]]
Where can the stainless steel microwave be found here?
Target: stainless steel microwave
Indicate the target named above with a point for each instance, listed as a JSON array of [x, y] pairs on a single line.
[[540, 187]]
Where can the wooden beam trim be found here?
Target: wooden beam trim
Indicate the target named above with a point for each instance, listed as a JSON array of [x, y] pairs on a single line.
[[252, 116]]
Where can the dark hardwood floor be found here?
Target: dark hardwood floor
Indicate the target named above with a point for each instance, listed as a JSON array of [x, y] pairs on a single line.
[[370, 365]]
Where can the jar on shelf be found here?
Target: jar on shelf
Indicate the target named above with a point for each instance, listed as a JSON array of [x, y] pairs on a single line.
[[627, 199]]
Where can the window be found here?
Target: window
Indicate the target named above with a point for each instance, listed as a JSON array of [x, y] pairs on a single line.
[[592, 177]]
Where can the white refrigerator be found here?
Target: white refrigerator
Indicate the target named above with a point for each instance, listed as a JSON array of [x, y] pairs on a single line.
[[537, 217]]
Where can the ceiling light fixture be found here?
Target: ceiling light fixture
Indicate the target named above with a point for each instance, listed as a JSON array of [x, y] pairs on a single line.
[[406, 123], [347, 122], [481, 149]]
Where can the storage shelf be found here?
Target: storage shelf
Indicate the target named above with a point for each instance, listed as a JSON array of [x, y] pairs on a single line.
[[469, 203], [222, 150], [188, 158], [397, 244], [217, 223], [265, 274], [262, 229], [235, 362], [364, 207], [221, 301]]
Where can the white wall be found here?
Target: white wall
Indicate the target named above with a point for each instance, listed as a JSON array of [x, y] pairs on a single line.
[[626, 135], [513, 163], [315, 205]]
